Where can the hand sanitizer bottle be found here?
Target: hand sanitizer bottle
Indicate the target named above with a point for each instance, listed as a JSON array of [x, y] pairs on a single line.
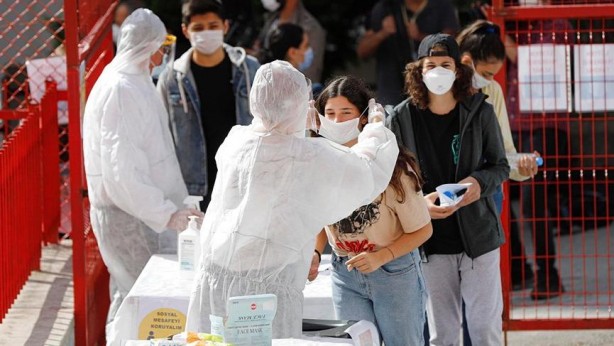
[[193, 202], [189, 246]]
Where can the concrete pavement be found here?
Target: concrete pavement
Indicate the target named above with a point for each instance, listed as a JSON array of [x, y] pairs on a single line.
[[43, 312]]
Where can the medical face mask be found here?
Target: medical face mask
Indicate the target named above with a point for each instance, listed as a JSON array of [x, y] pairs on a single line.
[[439, 80], [271, 5], [340, 133], [156, 71], [478, 81], [207, 41], [307, 61]]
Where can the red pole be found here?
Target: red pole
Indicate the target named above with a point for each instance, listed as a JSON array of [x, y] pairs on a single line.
[[71, 29]]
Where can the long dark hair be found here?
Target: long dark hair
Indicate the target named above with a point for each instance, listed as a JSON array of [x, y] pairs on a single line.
[[357, 92], [482, 41], [406, 159], [418, 92], [281, 39], [352, 88]]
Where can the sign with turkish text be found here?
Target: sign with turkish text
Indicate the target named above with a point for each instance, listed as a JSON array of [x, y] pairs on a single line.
[[594, 77], [544, 78]]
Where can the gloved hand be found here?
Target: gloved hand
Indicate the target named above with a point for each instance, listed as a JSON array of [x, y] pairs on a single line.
[[179, 220], [312, 115], [376, 112]]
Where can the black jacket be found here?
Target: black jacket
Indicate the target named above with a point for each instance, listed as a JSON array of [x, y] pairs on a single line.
[[481, 156]]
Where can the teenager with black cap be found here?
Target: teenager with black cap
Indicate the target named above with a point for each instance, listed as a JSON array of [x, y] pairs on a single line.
[[457, 139]]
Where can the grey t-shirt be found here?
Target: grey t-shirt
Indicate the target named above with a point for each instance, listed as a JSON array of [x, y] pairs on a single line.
[[437, 16]]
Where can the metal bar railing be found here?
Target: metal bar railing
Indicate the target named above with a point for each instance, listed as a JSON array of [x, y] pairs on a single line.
[[20, 204], [51, 164]]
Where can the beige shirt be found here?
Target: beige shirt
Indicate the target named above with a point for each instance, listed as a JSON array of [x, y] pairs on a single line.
[[496, 99], [380, 223]]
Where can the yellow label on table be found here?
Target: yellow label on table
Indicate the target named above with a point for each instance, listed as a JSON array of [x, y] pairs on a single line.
[[161, 323]]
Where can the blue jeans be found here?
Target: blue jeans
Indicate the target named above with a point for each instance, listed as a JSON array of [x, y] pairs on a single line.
[[498, 198], [392, 297]]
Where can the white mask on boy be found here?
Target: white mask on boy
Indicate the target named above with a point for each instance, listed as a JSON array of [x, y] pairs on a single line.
[[207, 41], [439, 80]]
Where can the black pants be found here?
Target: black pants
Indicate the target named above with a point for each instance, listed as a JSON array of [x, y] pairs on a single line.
[[541, 199]]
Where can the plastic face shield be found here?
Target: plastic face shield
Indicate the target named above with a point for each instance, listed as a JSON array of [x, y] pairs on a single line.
[[168, 49], [312, 114]]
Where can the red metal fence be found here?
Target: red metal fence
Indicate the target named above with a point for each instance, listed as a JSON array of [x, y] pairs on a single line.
[[89, 49], [30, 32], [559, 84], [32, 51], [29, 193]]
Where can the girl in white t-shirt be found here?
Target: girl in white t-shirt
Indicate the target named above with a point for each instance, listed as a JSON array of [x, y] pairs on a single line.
[[377, 274]]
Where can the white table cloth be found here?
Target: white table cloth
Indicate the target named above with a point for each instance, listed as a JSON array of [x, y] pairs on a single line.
[[158, 301], [305, 341]]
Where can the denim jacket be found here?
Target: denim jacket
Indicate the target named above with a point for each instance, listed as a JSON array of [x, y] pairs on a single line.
[[178, 90]]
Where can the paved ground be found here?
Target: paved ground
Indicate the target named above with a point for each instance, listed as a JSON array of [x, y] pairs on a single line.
[[562, 338], [43, 312], [586, 264]]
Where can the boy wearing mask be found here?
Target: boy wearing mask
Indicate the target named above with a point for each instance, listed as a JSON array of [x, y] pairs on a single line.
[[457, 139], [206, 93]]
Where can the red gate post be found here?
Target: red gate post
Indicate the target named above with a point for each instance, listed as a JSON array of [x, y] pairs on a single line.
[[50, 162], [89, 49]]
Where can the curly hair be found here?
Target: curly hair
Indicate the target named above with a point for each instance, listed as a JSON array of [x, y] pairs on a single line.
[[418, 92]]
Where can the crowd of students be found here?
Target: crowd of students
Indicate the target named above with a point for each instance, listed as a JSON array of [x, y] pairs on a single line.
[[282, 173]]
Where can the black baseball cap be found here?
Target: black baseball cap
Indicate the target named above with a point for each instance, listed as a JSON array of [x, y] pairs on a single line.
[[445, 41]]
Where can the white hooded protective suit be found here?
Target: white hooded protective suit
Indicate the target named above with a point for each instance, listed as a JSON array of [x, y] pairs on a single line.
[[133, 176], [275, 190]]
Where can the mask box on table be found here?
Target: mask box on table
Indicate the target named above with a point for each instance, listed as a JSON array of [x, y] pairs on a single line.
[[248, 322]]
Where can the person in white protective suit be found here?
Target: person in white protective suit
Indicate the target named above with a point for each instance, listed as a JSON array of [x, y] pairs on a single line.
[[134, 182], [274, 192]]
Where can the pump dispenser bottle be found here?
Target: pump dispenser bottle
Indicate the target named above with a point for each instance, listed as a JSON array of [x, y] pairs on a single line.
[[189, 246], [193, 202]]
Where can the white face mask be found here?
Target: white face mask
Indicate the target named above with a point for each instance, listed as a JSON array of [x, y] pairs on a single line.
[[271, 5], [439, 80], [478, 81], [156, 71], [340, 133], [207, 41]]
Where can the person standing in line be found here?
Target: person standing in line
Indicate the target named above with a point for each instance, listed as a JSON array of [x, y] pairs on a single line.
[[481, 48], [377, 275], [541, 202], [457, 139], [294, 12], [289, 42], [134, 182], [122, 11], [394, 31], [206, 92]]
